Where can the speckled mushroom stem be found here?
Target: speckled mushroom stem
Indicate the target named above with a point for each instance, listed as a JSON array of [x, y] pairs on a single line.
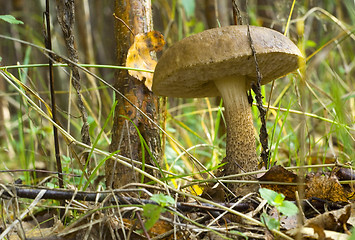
[[240, 150]]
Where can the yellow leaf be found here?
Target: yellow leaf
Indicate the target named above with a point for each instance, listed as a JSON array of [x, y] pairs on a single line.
[[139, 55]]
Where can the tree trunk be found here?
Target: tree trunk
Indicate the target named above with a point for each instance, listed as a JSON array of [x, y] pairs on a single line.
[[137, 15]]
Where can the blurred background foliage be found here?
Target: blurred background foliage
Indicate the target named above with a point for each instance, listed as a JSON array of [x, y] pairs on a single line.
[[323, 29]]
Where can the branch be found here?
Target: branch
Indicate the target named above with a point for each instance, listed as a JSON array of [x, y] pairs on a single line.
[[10, 191]]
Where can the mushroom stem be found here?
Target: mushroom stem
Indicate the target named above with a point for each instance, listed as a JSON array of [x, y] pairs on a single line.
[[240, 150]]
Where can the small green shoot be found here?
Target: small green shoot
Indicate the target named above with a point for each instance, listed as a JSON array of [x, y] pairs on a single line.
[[152, 212], [284, 207]]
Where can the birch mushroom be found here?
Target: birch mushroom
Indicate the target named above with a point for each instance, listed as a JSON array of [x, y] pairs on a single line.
[[220, 62]]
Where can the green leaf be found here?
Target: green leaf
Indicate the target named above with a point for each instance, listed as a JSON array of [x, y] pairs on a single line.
[[162, 199], [268, 195], [10, 19], [352, 237], [279, 199], [270, 222], [152, 213], [288, 208]]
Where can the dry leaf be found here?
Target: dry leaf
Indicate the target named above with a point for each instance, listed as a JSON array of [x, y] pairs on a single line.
[[285, 221], [310, 233], [319, 231], [351, 219], [325, 187], [327, 225], [161, 227], [347, 174], [280, 174], [139, 55], [333, 220]]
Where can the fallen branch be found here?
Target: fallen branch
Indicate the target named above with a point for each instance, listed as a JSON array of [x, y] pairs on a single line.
[[11, 191]]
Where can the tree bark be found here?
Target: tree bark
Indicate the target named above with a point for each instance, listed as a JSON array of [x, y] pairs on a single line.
[[125, 137]]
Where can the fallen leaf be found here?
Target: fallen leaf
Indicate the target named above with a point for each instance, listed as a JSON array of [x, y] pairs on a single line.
[[309, 233], [139, 56], [347, 174], [351, 220], [332, 220], [161, 227], [280, 174], [285, 221], [319, 231], [325, 187]]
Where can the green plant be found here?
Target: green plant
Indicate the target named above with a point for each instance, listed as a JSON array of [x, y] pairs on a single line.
[[283, 207], [352, 237], [10, 19], [152, 211]]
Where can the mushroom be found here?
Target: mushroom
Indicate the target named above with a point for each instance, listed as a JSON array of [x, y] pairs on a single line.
[[220, 62]]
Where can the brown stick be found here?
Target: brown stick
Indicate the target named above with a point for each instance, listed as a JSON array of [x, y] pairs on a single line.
[[263, 136], [48, 44], [66, 17], [61, 194]]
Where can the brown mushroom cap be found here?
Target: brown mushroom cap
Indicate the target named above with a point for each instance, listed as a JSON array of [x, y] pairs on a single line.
[[189, 68]]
